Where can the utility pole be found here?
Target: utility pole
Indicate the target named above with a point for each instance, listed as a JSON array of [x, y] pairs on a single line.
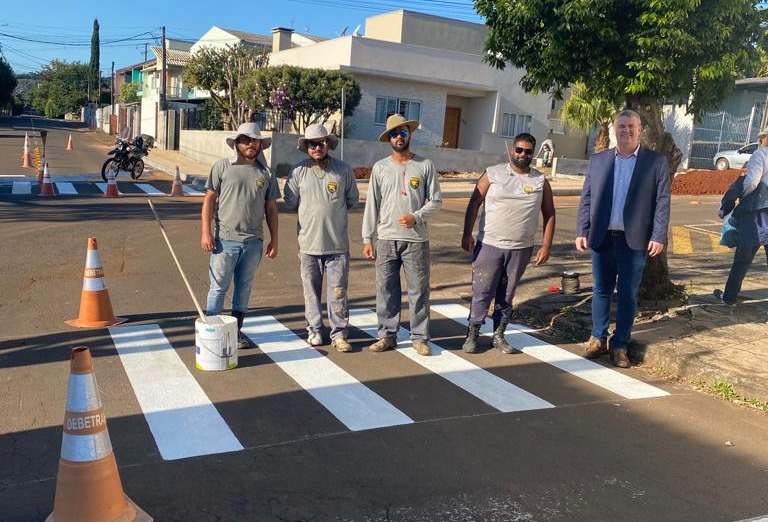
[[163, 90]]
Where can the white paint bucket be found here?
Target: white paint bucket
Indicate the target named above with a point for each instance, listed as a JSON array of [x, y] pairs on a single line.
[[216, 343]]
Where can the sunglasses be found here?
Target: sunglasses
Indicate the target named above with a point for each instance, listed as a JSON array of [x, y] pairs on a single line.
[[403, 133], [316, 144], [521, 150], [246, 140]]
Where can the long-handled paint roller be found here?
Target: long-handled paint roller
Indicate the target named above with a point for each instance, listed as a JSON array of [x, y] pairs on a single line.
[[206, 319]]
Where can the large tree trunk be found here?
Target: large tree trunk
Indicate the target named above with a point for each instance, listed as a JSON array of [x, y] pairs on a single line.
[[656, 284], [603, 138]]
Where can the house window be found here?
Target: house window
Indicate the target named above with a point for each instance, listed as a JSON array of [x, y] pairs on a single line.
[[385, 107], [514, 124], [557, 126]]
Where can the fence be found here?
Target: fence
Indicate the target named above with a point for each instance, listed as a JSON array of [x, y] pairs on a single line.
[[722, 131]]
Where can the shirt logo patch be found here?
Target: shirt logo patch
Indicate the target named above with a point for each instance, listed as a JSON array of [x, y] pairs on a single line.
[[528, 189], [260, 182], [414, 182], [332, 187]]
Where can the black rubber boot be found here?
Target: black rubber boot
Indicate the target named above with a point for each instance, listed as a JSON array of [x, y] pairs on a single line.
[[498, 340], [242, 341], [470, 343]]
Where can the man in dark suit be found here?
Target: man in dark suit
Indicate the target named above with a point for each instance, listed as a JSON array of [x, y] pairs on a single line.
[[623, 218]]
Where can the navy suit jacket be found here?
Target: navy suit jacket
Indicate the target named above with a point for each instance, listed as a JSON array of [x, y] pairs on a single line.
[[646, 211]]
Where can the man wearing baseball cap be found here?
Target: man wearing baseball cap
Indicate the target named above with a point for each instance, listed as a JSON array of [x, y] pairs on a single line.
[[241, 193], [323, 189], [403, 194]]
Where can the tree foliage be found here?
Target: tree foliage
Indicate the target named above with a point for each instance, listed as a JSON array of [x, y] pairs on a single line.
[[220, 71], [129, 93], [8, 83], [582, 111], [304, 95], [94, 78], [63, 88], [660, 49]]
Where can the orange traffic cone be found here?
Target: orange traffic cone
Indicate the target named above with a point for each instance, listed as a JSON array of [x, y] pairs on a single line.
[[46, 189], [176, 189], [95, 306], [26, 157], [88, 485], [111, 191], [70, 145]]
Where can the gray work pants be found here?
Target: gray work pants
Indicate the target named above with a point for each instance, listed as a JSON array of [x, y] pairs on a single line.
[[413, 258], [336, 269]]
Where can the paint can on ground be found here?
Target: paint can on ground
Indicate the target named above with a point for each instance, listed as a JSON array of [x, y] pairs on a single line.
[[216, 343], [570, 283]]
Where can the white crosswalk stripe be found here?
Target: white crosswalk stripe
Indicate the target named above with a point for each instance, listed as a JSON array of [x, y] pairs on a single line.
[[66, 188], [75, 185], [150, 190], [175, 405], [180, 415], [493, 390], [354, 404], [21, 187], [583, 368]]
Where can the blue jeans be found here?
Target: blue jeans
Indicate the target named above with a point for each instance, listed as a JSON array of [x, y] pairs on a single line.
[[615, 266], [742, 259], [414, 259], [495, 275], [336, 267], [232, 260]]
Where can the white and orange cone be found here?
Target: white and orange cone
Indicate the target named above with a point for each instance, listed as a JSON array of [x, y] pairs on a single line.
[[176, 188], [70, 145], [46, 189], [26, 156], [88, 485], [111, 191], [95, 306]]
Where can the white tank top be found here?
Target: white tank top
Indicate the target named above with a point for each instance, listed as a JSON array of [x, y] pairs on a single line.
[[511, 210]]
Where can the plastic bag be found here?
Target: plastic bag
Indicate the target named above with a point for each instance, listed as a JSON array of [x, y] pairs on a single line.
[[729, 236]]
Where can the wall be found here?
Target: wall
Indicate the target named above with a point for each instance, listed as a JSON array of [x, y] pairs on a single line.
[[210, 146]]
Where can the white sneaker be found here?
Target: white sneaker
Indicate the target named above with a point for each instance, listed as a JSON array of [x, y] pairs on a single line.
[[315, 339], [341, 344]]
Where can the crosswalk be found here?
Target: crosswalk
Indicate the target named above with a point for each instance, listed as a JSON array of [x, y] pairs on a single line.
[[88, 187], [184, 422]]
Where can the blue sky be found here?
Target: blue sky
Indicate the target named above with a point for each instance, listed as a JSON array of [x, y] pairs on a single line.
[[32, 34]]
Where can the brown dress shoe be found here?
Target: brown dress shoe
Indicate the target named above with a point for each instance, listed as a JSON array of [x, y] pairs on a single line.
[[619, 358], [595, 348]]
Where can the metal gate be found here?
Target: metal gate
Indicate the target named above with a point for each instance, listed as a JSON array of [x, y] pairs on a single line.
[[722, 131]]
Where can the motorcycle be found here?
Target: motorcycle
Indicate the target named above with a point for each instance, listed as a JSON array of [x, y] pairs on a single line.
[[127, 156]]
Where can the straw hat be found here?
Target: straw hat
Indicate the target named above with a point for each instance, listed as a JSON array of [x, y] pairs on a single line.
[[396, 121], [317, 131], [762, 133], [251, 130]]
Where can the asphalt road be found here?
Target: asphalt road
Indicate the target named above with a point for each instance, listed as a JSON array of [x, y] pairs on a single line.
[[311, 435]]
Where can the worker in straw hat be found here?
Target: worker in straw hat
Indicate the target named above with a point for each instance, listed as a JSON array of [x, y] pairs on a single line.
[[241, 193], [323, 189], [403, 194]]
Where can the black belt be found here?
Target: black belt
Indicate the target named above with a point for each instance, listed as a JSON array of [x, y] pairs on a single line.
[[616, 232]]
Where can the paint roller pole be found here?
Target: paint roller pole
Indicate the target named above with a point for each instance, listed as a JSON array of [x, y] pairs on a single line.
[[203, 317]]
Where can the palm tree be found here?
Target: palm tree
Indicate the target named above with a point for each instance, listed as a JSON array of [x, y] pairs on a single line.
[[583, 111]]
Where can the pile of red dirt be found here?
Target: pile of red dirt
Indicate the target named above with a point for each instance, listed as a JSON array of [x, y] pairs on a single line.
[[703, 182]]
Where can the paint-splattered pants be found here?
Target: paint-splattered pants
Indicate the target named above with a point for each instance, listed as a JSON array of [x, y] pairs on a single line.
[[413, 258], [495, 274], [336, 269]]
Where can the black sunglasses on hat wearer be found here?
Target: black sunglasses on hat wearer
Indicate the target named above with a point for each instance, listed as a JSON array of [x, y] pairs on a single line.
[[403, 133], [316, 144]]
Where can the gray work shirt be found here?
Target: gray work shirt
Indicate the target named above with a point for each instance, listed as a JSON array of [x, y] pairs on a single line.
[[396, 189], [322, 198], [243, 192]]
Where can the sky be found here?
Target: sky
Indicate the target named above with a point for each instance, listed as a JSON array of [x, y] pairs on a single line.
[[34, 34]]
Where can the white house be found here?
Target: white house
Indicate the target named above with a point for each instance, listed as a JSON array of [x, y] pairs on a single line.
[[428, 68]]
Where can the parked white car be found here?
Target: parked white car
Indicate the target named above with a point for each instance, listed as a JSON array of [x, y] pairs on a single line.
[[733, 159]]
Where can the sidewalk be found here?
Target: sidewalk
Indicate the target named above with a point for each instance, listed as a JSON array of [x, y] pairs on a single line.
[[703, 342]]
